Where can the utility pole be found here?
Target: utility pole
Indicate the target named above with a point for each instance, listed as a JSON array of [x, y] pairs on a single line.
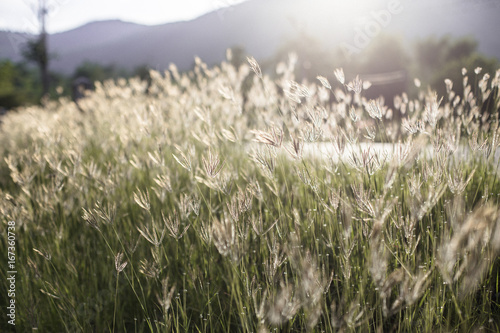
[[43, 56]]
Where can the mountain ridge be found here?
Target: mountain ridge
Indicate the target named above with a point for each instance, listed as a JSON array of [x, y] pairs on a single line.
[[261, 27]]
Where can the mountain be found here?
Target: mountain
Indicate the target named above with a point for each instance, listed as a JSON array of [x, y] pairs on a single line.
[[11, 44], [262, 27]]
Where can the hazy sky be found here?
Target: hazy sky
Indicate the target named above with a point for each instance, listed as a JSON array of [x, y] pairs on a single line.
[[18, 15]]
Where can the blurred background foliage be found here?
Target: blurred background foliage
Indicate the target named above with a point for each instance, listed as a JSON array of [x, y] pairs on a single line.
[[388, 63]]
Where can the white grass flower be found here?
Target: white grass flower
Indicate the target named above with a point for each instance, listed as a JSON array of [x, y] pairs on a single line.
[[173, 225], [353, 115], [295, 148], [229, 135], [296, 91], [224, 237], [371, 133], [165, 299], [163, 181], [119, 263], [156, 158], [142, 199], [432, 111], [46, 256], [254, 65], [90, 218], [374, 109], [185, 160], [212, 165], [149, 269], [456, 183], [324, 82], [449, 85], [356, 85], [468, 246], [284, 306], [339, 74], [153, 235], [227, 93], [273, 138]]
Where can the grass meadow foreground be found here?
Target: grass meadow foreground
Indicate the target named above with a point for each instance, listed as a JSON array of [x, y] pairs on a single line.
[[194, 207]]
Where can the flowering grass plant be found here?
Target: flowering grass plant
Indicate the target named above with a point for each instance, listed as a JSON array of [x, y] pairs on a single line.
[[189, 204]]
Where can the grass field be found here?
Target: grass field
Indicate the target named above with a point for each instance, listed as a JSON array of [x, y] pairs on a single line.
[[191, 208]]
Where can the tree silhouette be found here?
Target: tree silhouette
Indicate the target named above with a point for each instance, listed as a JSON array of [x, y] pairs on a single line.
[[36, 50], [444, 58]]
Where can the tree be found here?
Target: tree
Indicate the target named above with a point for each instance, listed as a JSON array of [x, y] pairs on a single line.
[[444, 58], [8, 96], [36, 50], [19, 85], [96, 72]]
